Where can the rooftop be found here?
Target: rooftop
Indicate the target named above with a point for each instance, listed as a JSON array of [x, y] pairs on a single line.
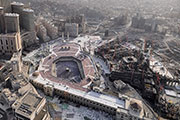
[[12, 14], [28, 104], [17, 3], [9, 34], [28, 10], [69, 52], [93, 96]]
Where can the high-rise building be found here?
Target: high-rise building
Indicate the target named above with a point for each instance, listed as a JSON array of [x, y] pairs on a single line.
[[6, 5], [26, 16], [2, 26], [27, 25], [11, 22], [17, 8], [10, 39], [28, 19]]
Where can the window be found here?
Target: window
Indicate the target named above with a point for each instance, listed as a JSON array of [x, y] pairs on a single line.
[[11, 42], [6, 42]]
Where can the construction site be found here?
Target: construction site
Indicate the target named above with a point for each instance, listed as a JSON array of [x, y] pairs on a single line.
[[138, 67]]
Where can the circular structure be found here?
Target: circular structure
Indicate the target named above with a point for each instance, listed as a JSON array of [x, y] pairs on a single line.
[[129, 59], [67, 65]]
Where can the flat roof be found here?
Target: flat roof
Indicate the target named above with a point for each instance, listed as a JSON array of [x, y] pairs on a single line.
[[92, 96], [28, 104], [17, 3], [172, 93], [28, 10], [12, 14], [31, 100]]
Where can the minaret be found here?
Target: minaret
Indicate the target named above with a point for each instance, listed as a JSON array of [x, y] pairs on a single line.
[[68, 36], [62, 35], [17, 62]]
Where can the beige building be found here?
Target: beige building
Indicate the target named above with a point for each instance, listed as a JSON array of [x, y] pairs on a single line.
[[122, 108], [21, 101], [10, 43], [42, 33], [52, 31], [31, 107]]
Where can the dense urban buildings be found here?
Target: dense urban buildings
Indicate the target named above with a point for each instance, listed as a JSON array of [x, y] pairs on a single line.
[[89, 60], [70, 75], [27, 23], [19, 99], [10, 39], [17, 27]]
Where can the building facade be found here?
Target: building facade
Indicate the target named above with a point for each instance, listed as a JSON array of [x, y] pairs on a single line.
[[72, 29], [55, 80], [11, 22], [52, 30], [20, 99], [10, 43], [6, 5]]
